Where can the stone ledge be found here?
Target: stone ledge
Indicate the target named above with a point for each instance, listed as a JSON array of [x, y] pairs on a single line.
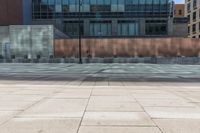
[[150, 60]]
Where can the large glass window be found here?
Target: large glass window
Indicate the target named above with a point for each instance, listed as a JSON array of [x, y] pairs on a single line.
[[194, 3], [188, 7], [127, 28], [194, 16], [54, 8], [100, 11], [148, 6], [117, 5], [142, 5], [194, 28], [100, 8], [100, 28], [156, 5], [156, 27], [132, 5], [164, 6], [72, 28]]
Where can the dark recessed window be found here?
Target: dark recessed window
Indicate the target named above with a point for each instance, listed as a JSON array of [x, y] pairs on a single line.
[[180, 12], [194, 16], [194, 28]]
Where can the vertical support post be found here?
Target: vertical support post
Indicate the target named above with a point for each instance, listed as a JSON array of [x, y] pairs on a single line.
[[79, 38]]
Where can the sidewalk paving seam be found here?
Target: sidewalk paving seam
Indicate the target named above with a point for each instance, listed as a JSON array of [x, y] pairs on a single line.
[[21, 111], [148, 114], [34, 103], [85, 110]]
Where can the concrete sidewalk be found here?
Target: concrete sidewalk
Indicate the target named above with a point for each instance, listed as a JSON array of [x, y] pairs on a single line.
[[98, 74], [50, 98], [167, 108]]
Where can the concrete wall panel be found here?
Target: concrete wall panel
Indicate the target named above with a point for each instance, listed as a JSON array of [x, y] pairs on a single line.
[[24, 40], [4, 40]]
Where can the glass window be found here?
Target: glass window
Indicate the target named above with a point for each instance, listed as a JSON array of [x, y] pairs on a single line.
[[142, 5], [156, 27], [65, 2], [86, 2], [72, 2], [127, 28], [194, 28], [114, 2], [149, 5], [93, 2], [107, 2], [100, 29], [58, 2], [194, 3], [188, 7], [51, 2], [194, 16], [72, 28]]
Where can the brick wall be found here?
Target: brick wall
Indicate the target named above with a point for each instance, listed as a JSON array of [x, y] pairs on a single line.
[[138, 47], [11, 12]]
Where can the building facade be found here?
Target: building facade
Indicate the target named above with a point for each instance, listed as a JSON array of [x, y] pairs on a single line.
[[180, 23], [97, 18], [15, 12], [14, 16], [179, 10], [106, 18], [192, 11]]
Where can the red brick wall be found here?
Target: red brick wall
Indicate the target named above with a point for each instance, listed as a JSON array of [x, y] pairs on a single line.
[[179, 7], [142, 47], [11, 12]]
